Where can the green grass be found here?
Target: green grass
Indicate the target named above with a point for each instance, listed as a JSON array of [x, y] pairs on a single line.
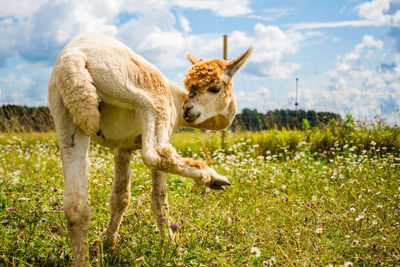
[[292, 202]]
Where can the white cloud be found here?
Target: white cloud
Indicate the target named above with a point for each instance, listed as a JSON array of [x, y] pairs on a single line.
[[333, 24], [20, 8], [364, 82], [270, 43], [373, 13], [272, 14], [364, 90], [25, 84], [224, 8], [273, 42], [376, 12], [40, 32], [185, 24]]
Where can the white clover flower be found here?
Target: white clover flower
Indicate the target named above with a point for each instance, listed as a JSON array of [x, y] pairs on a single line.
[[255, 251]]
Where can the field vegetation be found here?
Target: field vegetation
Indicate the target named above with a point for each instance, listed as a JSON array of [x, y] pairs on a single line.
[[319, 196]]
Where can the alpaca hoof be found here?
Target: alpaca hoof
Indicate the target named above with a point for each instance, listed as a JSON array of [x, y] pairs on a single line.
[[219, 184]]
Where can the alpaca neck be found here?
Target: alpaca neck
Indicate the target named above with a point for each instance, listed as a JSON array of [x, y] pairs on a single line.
[[179, 96]]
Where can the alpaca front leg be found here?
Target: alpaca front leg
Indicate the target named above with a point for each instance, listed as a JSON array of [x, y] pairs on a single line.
[[165, 158], [119, 200], [159, 199], [157, 153]]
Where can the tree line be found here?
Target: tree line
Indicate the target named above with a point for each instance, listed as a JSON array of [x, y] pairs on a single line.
[[252, 120], [15, 118], [38, 119]]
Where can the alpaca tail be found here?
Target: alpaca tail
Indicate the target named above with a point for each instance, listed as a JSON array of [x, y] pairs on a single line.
[[74, 82]]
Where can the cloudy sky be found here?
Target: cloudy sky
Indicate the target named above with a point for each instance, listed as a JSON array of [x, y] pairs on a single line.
[[345, 53]]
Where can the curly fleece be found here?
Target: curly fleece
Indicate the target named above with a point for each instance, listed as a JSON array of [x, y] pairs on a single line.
[[205, 74]]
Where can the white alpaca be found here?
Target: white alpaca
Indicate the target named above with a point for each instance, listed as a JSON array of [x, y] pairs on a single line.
[[100, 89]]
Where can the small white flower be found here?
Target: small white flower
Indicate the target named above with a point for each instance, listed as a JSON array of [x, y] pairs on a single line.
[[374, 222], [347, 264], [240, 198], [360, 217], [255, 251], [318, 230], [313, 198], [353, 210]]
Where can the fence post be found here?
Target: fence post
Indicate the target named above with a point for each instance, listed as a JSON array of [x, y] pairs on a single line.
[[225, 56]]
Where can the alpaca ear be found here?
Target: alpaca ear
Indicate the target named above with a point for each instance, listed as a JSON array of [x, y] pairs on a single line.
[[238, 63], [193, 59]]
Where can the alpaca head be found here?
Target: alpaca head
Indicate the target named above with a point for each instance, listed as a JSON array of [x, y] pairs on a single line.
[[211, 103]]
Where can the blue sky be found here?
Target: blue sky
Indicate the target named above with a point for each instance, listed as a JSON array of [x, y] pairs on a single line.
[[346, 53]]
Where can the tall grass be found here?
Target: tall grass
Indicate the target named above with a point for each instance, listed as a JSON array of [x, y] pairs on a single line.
[[347, 136]]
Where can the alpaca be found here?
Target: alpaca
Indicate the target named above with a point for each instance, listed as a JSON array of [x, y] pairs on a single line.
[[101, 90]]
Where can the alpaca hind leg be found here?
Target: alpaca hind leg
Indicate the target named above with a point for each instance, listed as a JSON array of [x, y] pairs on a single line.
[[119, 200], [77, 212]]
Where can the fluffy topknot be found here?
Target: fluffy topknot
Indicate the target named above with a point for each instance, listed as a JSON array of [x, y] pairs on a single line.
[[205, 74]]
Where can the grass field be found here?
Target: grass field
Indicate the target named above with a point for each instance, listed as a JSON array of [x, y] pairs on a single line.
[[292, 204]]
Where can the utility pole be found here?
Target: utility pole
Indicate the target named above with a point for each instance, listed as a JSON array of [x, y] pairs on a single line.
[[225, 56], [296, 103]]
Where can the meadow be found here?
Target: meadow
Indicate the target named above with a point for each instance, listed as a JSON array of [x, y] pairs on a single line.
[[327, 197]]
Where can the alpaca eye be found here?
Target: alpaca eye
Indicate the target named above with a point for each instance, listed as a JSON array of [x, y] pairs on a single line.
[[214, 89]]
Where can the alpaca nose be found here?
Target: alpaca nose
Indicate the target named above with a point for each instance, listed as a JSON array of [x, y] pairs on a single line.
[[187, 109], [189, 113]]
